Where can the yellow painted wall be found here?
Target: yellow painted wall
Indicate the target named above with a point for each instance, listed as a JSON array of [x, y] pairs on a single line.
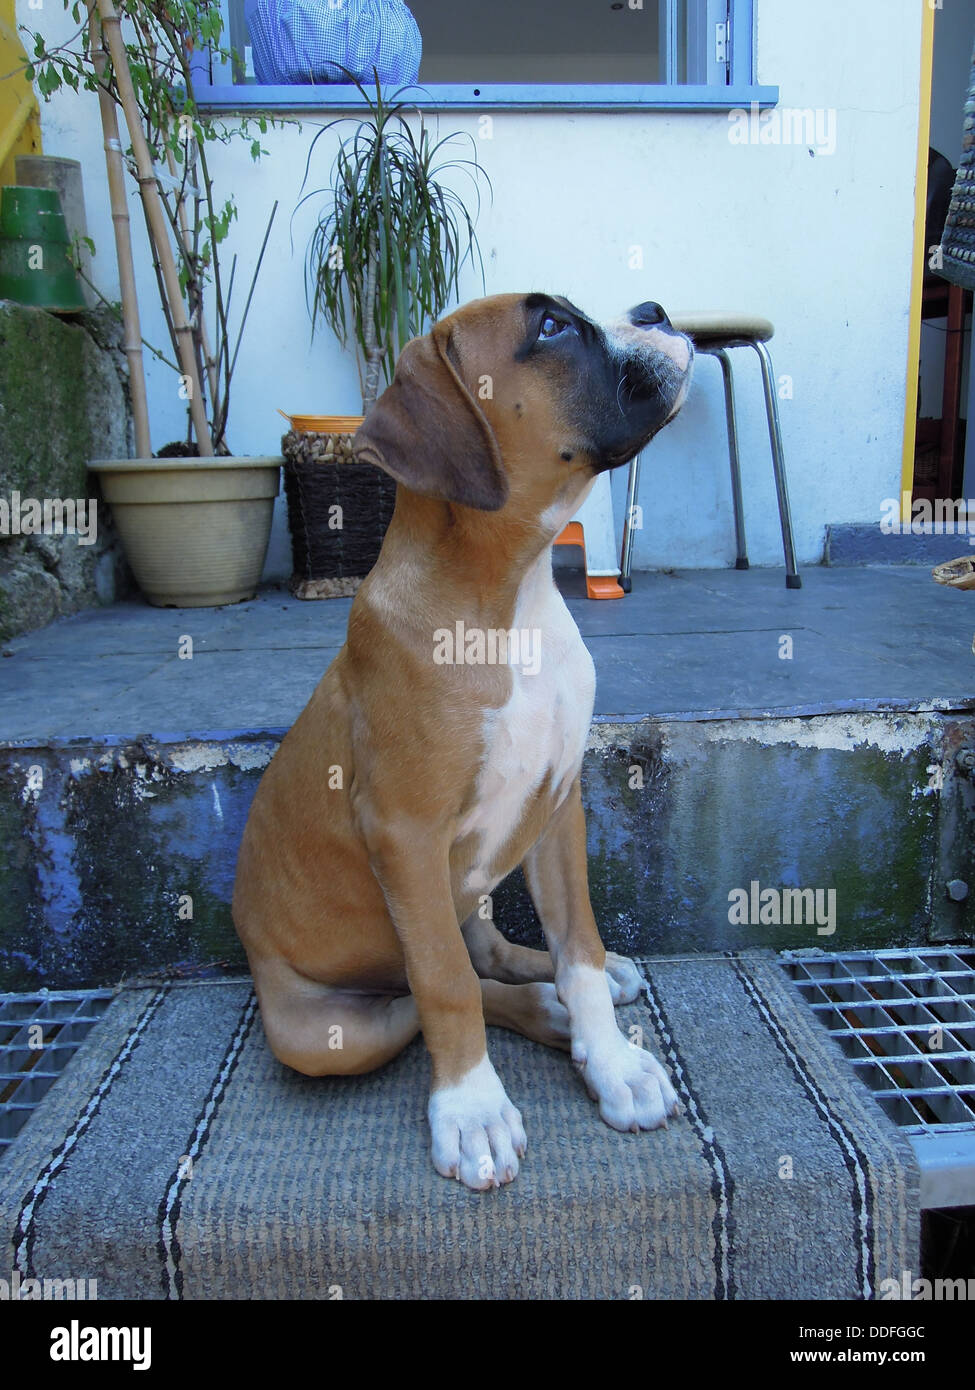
[[920, 252], [20, 129]]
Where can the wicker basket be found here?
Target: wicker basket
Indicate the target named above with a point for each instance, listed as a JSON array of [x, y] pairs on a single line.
[[333, 550]]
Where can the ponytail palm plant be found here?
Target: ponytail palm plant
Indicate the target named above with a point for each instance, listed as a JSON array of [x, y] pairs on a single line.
[[385, 257]]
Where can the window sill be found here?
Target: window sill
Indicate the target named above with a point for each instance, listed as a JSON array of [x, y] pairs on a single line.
[[496, 97]]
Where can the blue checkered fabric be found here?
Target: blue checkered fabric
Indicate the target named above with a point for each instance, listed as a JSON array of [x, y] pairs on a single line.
[[301, 41]]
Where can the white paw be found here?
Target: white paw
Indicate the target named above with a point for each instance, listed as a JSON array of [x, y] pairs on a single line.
[[625, 981], [477, 1133], [630, 1086]]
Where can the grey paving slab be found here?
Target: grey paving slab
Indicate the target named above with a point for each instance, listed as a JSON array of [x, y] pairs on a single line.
[[135, 626], [70, 692], [868, 601], [279, 621], [728, 672], [682, 643], [123, 628], [250, 688]]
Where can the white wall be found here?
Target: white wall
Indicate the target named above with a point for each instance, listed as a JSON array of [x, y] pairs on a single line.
[[819, 242]]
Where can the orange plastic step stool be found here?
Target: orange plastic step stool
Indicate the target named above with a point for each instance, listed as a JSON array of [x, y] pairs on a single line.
[[597, 585], [592, 528]]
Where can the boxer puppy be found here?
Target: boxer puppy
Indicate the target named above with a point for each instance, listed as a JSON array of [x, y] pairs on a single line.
[[443, 746]]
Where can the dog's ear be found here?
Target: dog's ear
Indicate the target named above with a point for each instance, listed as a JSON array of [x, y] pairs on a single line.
[[429, 433]]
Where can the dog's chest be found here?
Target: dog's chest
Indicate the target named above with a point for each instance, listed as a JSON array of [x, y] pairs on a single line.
[[534, 742]]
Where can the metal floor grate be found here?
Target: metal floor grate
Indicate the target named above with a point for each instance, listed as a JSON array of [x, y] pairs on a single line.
[[39, 1034], [906, 1021]]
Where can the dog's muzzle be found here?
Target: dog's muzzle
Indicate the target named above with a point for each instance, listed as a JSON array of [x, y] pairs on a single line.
[[654, 361], [654, 355]]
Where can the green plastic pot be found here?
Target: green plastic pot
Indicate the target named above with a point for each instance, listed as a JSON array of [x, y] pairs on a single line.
[[35, 260]]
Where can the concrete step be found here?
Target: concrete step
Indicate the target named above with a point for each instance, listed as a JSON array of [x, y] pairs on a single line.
[[721, 772]]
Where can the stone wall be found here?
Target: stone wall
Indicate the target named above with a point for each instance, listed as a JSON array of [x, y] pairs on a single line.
[[63, 401], [117, 856]]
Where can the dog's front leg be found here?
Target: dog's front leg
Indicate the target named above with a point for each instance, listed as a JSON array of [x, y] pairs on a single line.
[[477, 1134], [632, 1089]]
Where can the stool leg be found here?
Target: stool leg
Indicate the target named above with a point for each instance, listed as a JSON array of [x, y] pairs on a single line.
[[741, 557], [792, 580], [626, 558]]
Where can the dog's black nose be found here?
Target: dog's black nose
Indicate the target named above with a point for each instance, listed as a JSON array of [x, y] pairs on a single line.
[[649, 315]]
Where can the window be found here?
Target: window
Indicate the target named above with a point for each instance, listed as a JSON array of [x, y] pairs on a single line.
[[533, 54]]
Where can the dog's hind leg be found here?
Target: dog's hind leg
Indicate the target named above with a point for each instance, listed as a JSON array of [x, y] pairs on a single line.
[[534, 1010], [321, 1031], [496, 958]]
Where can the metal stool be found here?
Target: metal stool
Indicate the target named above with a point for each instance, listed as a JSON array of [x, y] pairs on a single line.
[[713, 333]]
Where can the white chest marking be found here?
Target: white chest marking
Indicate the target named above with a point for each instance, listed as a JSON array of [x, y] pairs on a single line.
[[541, 731]]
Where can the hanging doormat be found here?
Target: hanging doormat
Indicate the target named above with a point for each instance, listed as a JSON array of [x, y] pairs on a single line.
[[958, 242], [176, 1158], [338, 512]]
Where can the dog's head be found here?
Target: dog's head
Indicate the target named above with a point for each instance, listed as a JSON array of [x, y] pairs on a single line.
[[515, 403]]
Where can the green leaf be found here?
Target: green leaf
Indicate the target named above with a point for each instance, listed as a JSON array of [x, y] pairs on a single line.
[[48, 80]]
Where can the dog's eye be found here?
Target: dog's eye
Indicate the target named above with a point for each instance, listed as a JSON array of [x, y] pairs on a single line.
[[552, 327]]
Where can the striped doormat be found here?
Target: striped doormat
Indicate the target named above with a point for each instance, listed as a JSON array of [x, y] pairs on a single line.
[[177, 1159]]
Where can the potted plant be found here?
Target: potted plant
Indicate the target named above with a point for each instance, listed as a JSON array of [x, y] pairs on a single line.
[[194, 520], [382, 263]]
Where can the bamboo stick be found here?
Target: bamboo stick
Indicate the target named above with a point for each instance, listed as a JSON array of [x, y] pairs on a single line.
[[209, 361], [205, 361], [132, 331], [160, 284], [112, 34], [179, 226]]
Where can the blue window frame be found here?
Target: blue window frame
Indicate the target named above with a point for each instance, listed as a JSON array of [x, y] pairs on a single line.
[[702, 58]]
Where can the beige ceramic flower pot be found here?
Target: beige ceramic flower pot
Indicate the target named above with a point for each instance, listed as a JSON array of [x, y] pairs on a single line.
[[195, 531]]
